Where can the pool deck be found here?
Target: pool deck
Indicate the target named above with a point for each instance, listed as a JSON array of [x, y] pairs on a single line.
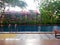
[[27, 35], [27, 32], [28, 38]]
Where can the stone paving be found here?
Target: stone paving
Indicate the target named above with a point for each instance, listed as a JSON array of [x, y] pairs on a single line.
[[32, 39], [33, 36]]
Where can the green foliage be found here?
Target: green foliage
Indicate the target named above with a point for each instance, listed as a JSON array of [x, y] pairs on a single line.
[[14, 3], [49, 12]]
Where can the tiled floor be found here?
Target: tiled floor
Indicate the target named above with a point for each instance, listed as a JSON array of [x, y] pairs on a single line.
[[27, 36], [30, 42], [35, 36], [31, 39]]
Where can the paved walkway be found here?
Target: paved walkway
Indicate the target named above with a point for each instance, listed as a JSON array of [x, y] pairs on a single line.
[[32, 39], [35, 36], [31, 35]]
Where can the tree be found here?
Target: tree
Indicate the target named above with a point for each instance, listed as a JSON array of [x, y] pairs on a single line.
[[50, 12], [13, 3]]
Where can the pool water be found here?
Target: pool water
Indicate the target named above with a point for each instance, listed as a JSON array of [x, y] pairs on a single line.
[[28, 28]]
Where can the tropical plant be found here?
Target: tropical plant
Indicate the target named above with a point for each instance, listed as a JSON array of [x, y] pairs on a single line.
[[50, 12]]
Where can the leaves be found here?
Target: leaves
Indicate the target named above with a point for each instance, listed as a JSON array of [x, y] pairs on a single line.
[[49, 9], [14, 3]]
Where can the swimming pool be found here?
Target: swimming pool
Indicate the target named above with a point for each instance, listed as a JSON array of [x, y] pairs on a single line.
[[28, 28]]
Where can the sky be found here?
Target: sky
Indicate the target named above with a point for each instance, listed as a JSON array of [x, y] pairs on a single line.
[[31, 5]]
